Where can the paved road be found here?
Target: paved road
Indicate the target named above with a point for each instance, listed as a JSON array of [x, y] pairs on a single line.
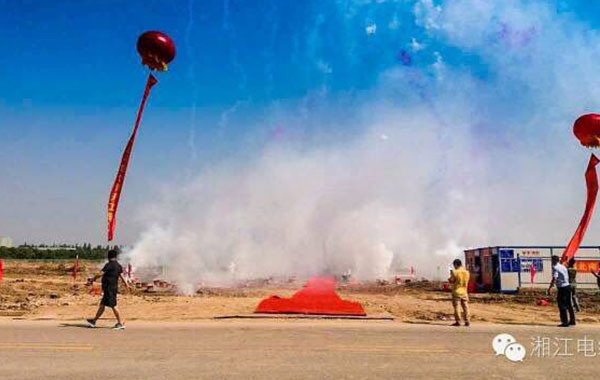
[[273, 349]]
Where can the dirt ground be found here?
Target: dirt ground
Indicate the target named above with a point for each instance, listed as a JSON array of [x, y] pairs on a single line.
[[45, 290]]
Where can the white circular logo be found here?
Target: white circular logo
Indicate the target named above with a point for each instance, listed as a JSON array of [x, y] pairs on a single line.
[[515, 352], [501, 341]]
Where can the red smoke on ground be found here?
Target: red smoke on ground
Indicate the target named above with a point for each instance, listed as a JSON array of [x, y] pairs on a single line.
[[318, 296]]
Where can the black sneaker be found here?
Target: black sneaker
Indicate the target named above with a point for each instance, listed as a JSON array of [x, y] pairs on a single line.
[[467, 324], [455, 324], [91, 323], [563, 325], [572, 323], [119, 326]]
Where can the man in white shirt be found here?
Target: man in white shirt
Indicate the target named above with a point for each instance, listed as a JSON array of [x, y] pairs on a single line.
[[560, 277]]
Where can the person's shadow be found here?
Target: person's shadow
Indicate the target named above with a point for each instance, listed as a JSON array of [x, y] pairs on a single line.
[[83, 326]]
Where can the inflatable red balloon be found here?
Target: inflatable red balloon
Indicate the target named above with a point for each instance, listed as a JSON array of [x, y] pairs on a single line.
[[156, 49], [587, 130]]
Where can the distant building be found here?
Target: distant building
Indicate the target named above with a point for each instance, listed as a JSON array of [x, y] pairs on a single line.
[[63, 247], [6, 242], [509, 268]]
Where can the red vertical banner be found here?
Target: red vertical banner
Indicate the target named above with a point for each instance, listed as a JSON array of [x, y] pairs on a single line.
[[591, 181], [115, 192], [532, 272], [1, 270]]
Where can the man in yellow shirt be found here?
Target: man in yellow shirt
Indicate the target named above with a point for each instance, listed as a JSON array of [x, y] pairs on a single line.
[[459, 278]]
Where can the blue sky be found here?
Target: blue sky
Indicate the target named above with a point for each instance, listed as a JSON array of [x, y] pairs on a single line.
[[71, 80]]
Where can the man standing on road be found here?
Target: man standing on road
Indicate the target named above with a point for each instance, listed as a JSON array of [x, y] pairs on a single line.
[[110, 274], [459, 278], [560, 277]]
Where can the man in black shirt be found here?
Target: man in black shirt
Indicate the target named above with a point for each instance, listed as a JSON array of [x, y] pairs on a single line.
[[110, 274], [597, 275]]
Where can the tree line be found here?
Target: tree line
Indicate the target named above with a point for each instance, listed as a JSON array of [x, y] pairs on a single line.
[[56, 252]]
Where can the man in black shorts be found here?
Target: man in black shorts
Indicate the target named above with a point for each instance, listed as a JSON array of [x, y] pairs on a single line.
[[110, 274]]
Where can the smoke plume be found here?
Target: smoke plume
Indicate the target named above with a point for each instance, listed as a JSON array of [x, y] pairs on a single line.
[[437, 156]]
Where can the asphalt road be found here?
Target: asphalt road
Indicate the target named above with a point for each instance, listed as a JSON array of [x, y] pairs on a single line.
[[274, 349]]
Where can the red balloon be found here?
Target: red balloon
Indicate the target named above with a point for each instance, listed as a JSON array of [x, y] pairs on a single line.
[[587, 130], [156, 49]]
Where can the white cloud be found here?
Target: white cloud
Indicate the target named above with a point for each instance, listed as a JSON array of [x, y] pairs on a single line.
[[416, 46], [324, 67], [371, 29], [427, 14]]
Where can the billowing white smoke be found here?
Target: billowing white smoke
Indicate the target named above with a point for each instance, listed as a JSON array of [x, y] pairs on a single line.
[[458, 162]]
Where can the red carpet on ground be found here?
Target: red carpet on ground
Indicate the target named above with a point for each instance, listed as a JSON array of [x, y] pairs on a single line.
[[318, 296]]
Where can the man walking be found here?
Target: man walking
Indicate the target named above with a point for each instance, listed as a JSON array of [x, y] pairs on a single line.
[[111, 273], [459, 278], [560, 278]]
